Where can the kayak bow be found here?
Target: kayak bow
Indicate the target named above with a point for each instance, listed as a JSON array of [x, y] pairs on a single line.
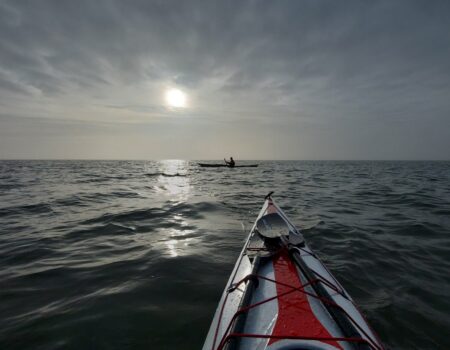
[[280, 296]]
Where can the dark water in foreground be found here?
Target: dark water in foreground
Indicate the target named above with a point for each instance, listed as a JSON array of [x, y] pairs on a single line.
[[135, 255]]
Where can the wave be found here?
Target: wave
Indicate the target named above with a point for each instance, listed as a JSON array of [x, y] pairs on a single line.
[[39, 208], [165, 174]]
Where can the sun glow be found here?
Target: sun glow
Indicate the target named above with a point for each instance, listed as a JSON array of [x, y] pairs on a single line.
[[176, 98]]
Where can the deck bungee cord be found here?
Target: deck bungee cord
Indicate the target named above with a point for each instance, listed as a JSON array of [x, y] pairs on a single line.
[[241, 311]]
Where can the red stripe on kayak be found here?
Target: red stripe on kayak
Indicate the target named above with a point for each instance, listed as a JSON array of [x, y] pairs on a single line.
[[295, 316], [271, 209]]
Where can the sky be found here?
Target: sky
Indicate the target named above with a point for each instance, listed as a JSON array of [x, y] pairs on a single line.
[[300, 79]]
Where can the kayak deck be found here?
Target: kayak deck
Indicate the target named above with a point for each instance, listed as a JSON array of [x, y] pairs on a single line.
[[281, 296]]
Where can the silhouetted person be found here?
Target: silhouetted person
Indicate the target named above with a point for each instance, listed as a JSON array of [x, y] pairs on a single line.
[[230, 163]]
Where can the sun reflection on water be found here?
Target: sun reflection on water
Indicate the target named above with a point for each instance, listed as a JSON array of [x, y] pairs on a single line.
[[174, 180], [179, 243], [171, 245]]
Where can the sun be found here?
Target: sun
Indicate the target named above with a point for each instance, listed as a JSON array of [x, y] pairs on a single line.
[[176, 98]]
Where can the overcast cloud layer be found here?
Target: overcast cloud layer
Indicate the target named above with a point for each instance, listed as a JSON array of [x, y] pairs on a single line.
[[265, 79]]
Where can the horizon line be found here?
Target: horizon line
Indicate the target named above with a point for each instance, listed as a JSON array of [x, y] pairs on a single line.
[[243, 159]]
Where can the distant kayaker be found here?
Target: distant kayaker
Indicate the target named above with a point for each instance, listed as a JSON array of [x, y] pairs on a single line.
[[230, 163]]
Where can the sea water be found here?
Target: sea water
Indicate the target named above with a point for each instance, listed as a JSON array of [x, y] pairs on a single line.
[[135, 254]]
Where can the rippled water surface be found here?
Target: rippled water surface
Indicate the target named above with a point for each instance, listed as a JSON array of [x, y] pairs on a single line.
[[135, 254]]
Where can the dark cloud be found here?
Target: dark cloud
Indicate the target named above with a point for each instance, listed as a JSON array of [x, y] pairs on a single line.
[[290, 65]]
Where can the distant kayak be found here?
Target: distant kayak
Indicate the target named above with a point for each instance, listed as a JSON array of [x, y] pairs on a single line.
[[207, 165]]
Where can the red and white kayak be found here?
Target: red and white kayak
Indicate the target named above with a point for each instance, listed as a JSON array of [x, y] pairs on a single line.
[[280, 296]]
